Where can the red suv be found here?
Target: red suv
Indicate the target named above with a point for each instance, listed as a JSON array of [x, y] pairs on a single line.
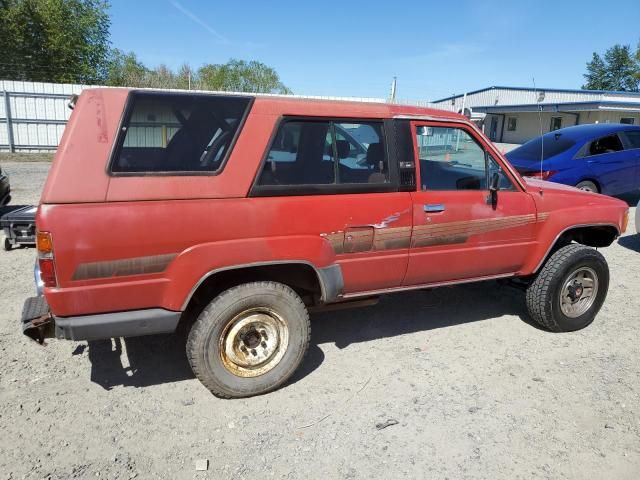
[[230, 216]]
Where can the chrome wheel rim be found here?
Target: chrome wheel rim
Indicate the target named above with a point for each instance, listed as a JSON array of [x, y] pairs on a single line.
[[254, 342], [587, 188], [579, 292]]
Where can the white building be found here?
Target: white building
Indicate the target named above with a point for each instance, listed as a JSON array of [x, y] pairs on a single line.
[[514, 115]]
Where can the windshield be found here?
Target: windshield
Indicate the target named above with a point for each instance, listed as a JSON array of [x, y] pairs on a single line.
[[554, 144]]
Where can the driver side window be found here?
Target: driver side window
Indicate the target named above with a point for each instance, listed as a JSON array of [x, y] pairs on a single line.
[[451, 159]]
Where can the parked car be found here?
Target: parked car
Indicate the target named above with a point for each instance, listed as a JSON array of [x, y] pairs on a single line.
[[602, 158], [230, 216], [19, 225], [5, 188]]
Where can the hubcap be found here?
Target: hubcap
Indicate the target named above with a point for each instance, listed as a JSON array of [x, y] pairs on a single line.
[[254, 342], [579, 292]]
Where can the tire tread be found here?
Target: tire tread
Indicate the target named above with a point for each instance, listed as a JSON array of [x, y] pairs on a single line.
[[200, 327], [539, 297]]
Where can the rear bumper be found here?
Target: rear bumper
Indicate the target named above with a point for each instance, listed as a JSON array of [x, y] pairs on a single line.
[[38, 323]]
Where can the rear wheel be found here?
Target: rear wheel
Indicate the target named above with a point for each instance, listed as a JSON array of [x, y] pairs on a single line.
[[588, 186], [570, 289], [249, 340]]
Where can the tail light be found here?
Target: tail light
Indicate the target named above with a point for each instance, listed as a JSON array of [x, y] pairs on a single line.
[[44, 244], [543, 175]]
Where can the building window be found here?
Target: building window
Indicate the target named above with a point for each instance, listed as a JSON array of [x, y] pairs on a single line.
[[512, 124], [628, 120], [556, 123]]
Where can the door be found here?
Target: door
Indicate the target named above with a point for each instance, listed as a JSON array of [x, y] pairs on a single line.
[[457, 232], [331, 179], [493, 131], [631, 140], [611, 165]]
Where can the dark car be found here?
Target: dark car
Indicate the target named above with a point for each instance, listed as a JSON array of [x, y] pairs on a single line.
[[603, 158], [5, 189]]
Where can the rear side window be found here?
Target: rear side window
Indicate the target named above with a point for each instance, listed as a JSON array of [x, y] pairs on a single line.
[[178, 133], [307, 152], [608, 144]]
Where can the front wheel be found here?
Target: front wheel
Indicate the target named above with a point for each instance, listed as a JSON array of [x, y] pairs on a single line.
[[249, 340], [570, 289]]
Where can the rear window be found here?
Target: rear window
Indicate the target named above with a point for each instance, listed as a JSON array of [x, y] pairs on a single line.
[[178, 132], [554, 144]]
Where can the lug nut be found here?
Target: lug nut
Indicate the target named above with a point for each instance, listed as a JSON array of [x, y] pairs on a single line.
[[253, 352], [264, 334], [264, 344]]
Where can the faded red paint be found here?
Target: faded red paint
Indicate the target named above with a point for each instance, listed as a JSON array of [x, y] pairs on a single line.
[[173, 231]]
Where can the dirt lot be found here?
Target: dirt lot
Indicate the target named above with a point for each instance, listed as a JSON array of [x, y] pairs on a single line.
[[477, 391]]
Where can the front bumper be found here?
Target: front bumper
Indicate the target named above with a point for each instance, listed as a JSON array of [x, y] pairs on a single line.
[[38, 323]]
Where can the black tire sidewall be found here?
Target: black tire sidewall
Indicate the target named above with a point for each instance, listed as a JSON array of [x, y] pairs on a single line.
[[597, 264], [214, 320]]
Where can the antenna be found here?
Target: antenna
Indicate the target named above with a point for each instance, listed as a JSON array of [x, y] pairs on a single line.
[[539, 99]]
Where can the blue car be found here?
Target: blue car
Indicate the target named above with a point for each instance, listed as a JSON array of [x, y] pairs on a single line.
[[602, 158]]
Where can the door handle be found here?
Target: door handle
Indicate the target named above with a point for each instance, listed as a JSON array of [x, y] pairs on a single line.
[[434, 207]]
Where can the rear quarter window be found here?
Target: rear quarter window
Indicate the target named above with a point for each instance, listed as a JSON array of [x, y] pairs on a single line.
[[177, 133]]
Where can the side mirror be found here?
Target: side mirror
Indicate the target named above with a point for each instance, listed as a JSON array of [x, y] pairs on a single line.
[[494, 186]]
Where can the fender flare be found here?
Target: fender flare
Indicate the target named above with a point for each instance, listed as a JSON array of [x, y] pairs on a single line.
[[197, 263]]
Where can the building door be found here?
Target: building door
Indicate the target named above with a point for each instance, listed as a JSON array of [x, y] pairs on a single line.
[[457, 232], [493, 131]]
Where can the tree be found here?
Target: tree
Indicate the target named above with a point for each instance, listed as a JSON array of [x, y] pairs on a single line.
[[54, 40], [596, 74], [241, 76], [619, 70], [125, 69]]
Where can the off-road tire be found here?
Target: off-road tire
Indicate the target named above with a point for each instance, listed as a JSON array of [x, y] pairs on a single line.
[[543, 294], [588, 186], [203, 342]]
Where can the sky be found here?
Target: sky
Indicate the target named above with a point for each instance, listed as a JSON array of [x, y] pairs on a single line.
[[355, 48]]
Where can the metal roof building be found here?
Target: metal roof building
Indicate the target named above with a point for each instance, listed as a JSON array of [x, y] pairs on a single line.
[[513, 114]]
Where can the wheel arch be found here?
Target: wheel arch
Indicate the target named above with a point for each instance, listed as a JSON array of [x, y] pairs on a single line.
[[323, 284], [592, 235]]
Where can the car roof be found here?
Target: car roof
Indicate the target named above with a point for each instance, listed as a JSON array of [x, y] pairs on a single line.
[[291, 105], [579, 132]]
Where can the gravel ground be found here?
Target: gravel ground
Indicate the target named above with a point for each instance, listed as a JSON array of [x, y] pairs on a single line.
[[475, 389]]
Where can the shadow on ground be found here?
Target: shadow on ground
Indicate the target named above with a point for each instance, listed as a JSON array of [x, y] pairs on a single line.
[[144, 361], [632, 242], [631, 198]]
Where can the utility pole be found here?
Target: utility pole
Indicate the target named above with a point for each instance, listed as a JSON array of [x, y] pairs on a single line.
[[392, 95]]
